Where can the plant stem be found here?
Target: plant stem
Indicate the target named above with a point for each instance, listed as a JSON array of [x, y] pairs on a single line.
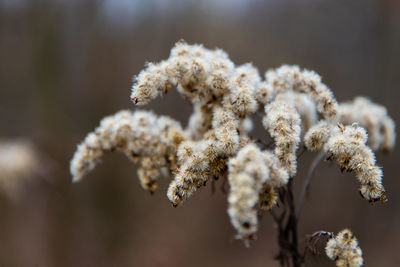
[[306, 184], [287, 220], [287, 226]]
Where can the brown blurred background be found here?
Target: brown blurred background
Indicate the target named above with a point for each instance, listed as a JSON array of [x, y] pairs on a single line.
[[66, 64]]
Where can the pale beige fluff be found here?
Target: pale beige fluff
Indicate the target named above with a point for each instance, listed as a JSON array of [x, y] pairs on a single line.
[[278, 175], [222, 96], [140, 135], [264, 92], [304, 106], [225, 126], [18, 162], [207, 78], [241, 98], [291, 78], [247, 174], [316, 137], [374, 118], [200, 74], [204, 159], [347, 145], [193, 171], [283, 123], [344, 250]]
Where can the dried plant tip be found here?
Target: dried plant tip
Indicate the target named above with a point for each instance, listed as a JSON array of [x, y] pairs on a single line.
[[347, 146], [247, 174], [344, 250], [193, 172], [291, 78], [200, 74], [374, 118], [150, 83], [139, 135]]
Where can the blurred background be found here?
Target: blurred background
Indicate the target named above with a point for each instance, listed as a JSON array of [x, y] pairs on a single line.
[[65, 64]]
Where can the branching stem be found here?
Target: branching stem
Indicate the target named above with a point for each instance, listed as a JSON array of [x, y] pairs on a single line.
[[306, 184], [287, 220]]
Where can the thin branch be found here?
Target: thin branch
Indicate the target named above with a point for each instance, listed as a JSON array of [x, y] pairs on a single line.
[[263, 144], [274, 216], [312, 241], [291, 226], [306, 184], [301, 151]]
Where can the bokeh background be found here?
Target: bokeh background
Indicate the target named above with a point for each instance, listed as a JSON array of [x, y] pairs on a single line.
[[66, 64]]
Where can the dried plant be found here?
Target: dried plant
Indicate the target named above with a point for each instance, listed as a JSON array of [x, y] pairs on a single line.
[[344, 249], [216, 142]]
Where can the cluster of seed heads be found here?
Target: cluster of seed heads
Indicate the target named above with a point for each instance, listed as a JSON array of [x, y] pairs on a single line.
[[297, 109]]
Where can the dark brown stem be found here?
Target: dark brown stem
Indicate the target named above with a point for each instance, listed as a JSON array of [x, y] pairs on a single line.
[[291, 226], [287, 221], [287, 226], [306, 184]]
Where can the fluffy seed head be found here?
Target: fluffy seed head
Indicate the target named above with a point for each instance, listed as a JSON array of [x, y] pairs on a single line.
[[283, 123], [139, 135], [344, 250], [247, 174], [375, 119]]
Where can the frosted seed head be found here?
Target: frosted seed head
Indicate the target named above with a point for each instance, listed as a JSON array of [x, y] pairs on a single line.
[[290, 78], [264, 93], [375, 119], [344, 250], [283, 124], [247, 174], [138, 135], [304, 106], [317, 135], [347, 146]]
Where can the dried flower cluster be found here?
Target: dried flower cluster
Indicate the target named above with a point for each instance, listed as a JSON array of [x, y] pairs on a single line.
[[283, 123], [347, 145], [216, 141], [380, 127], [247, 174], [144, 137], [344, 250]]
